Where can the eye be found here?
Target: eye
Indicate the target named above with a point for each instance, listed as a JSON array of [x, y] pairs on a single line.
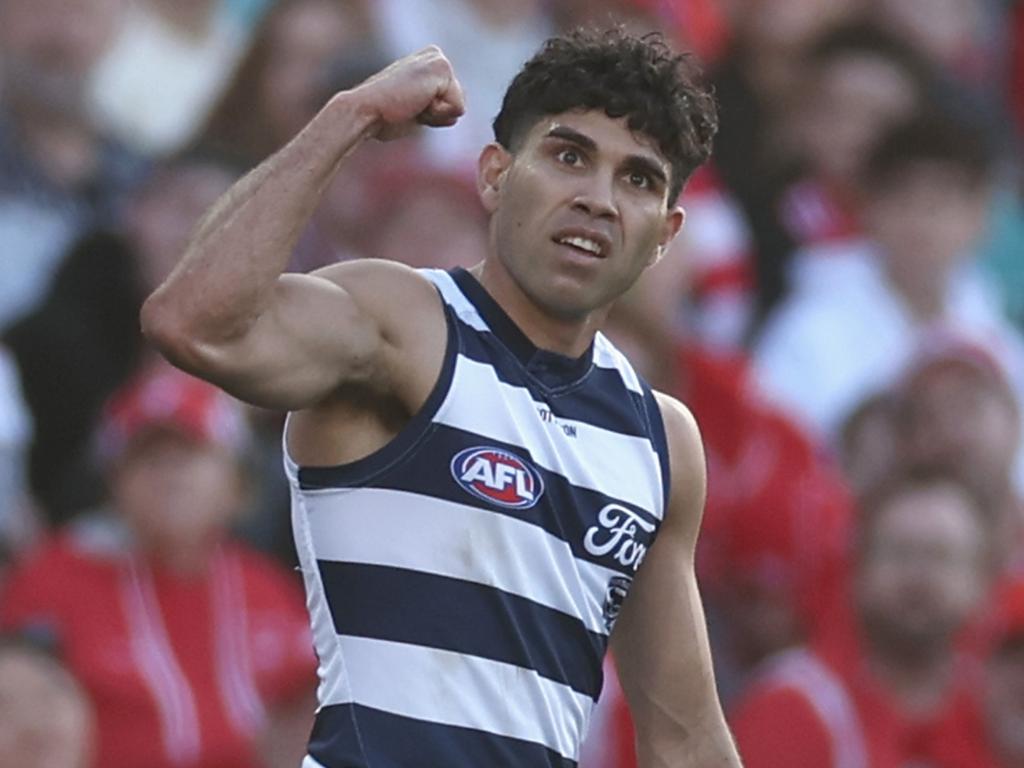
[[640, 180], [569, 156]]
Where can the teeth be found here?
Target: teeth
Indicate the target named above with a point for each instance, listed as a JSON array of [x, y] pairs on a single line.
[[584, 243]]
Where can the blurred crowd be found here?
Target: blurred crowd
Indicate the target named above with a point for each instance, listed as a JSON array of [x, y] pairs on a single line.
[[843, 312]]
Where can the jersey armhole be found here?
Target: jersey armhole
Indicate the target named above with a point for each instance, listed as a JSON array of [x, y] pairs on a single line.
[[656, 429], [362, 470]]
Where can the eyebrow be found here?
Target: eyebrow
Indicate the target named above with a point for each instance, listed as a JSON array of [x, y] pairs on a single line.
[[640, 163]]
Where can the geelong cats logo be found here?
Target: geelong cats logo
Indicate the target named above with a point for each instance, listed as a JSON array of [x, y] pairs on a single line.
[[618, 588], [498, 476]]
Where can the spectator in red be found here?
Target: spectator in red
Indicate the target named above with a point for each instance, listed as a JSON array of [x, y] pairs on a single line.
[[1004, 680], [885, 688], [960, 413], [426, 218], [45, 718], [192, 648]]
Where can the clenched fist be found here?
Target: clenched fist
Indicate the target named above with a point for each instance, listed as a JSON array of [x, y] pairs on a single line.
[[420, 89]]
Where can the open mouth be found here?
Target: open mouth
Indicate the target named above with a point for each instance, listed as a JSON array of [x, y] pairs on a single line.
[[583, 244]]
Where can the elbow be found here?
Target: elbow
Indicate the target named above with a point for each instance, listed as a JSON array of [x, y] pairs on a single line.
[[166, 330]]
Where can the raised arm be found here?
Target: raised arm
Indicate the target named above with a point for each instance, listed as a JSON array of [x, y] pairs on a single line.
[[227, 313], [660, 640]]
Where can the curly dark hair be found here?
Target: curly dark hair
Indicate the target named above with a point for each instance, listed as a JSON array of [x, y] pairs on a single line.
[[662, 94]]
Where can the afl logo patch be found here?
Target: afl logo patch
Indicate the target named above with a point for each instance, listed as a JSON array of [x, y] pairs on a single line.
[[497, 476]]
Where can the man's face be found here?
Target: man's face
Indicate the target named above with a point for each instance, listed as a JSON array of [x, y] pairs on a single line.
[[580, 209], [958, 419], [50, 46], [921, 574], [175, 493], [848, 102], [927, 218]]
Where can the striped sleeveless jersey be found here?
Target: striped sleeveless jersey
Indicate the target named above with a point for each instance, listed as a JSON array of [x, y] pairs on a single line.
[[463, 580]]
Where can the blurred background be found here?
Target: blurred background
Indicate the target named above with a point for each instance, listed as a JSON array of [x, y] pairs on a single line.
[[843, 312]]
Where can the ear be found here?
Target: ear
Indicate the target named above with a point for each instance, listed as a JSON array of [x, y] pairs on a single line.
[[494, 162], [674, 220]]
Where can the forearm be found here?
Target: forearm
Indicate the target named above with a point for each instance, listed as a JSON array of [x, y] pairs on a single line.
[[707, 745], [680, 725], [229, 271]]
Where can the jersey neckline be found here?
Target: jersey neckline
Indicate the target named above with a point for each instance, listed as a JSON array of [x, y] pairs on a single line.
[[549, 367]]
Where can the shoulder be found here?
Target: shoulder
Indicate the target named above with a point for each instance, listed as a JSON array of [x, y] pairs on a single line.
[[57, 552], [48, 581], [680, 424], [373, 280], [765, 724], [799, 692], [688, 471], [685, 447]]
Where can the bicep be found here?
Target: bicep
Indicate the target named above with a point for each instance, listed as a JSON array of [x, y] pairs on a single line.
[[344, 325]]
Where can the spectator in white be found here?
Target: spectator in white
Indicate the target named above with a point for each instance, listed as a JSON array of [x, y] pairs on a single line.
[[166, 68], [45, 719], [856, 313], [486, 42], [859, 80], [58, 174]]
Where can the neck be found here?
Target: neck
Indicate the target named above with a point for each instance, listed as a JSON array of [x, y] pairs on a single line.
[[918, 679], [569, 336], [190, 18], [188, 559], [923, 291]]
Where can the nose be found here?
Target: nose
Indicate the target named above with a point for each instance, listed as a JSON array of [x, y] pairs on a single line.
[[597, 200]]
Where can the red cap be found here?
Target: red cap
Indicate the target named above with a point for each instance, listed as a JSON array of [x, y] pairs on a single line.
[[941, 351], [164, 397]]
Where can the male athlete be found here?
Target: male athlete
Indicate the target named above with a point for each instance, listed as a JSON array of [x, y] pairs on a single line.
[[482, 487]]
